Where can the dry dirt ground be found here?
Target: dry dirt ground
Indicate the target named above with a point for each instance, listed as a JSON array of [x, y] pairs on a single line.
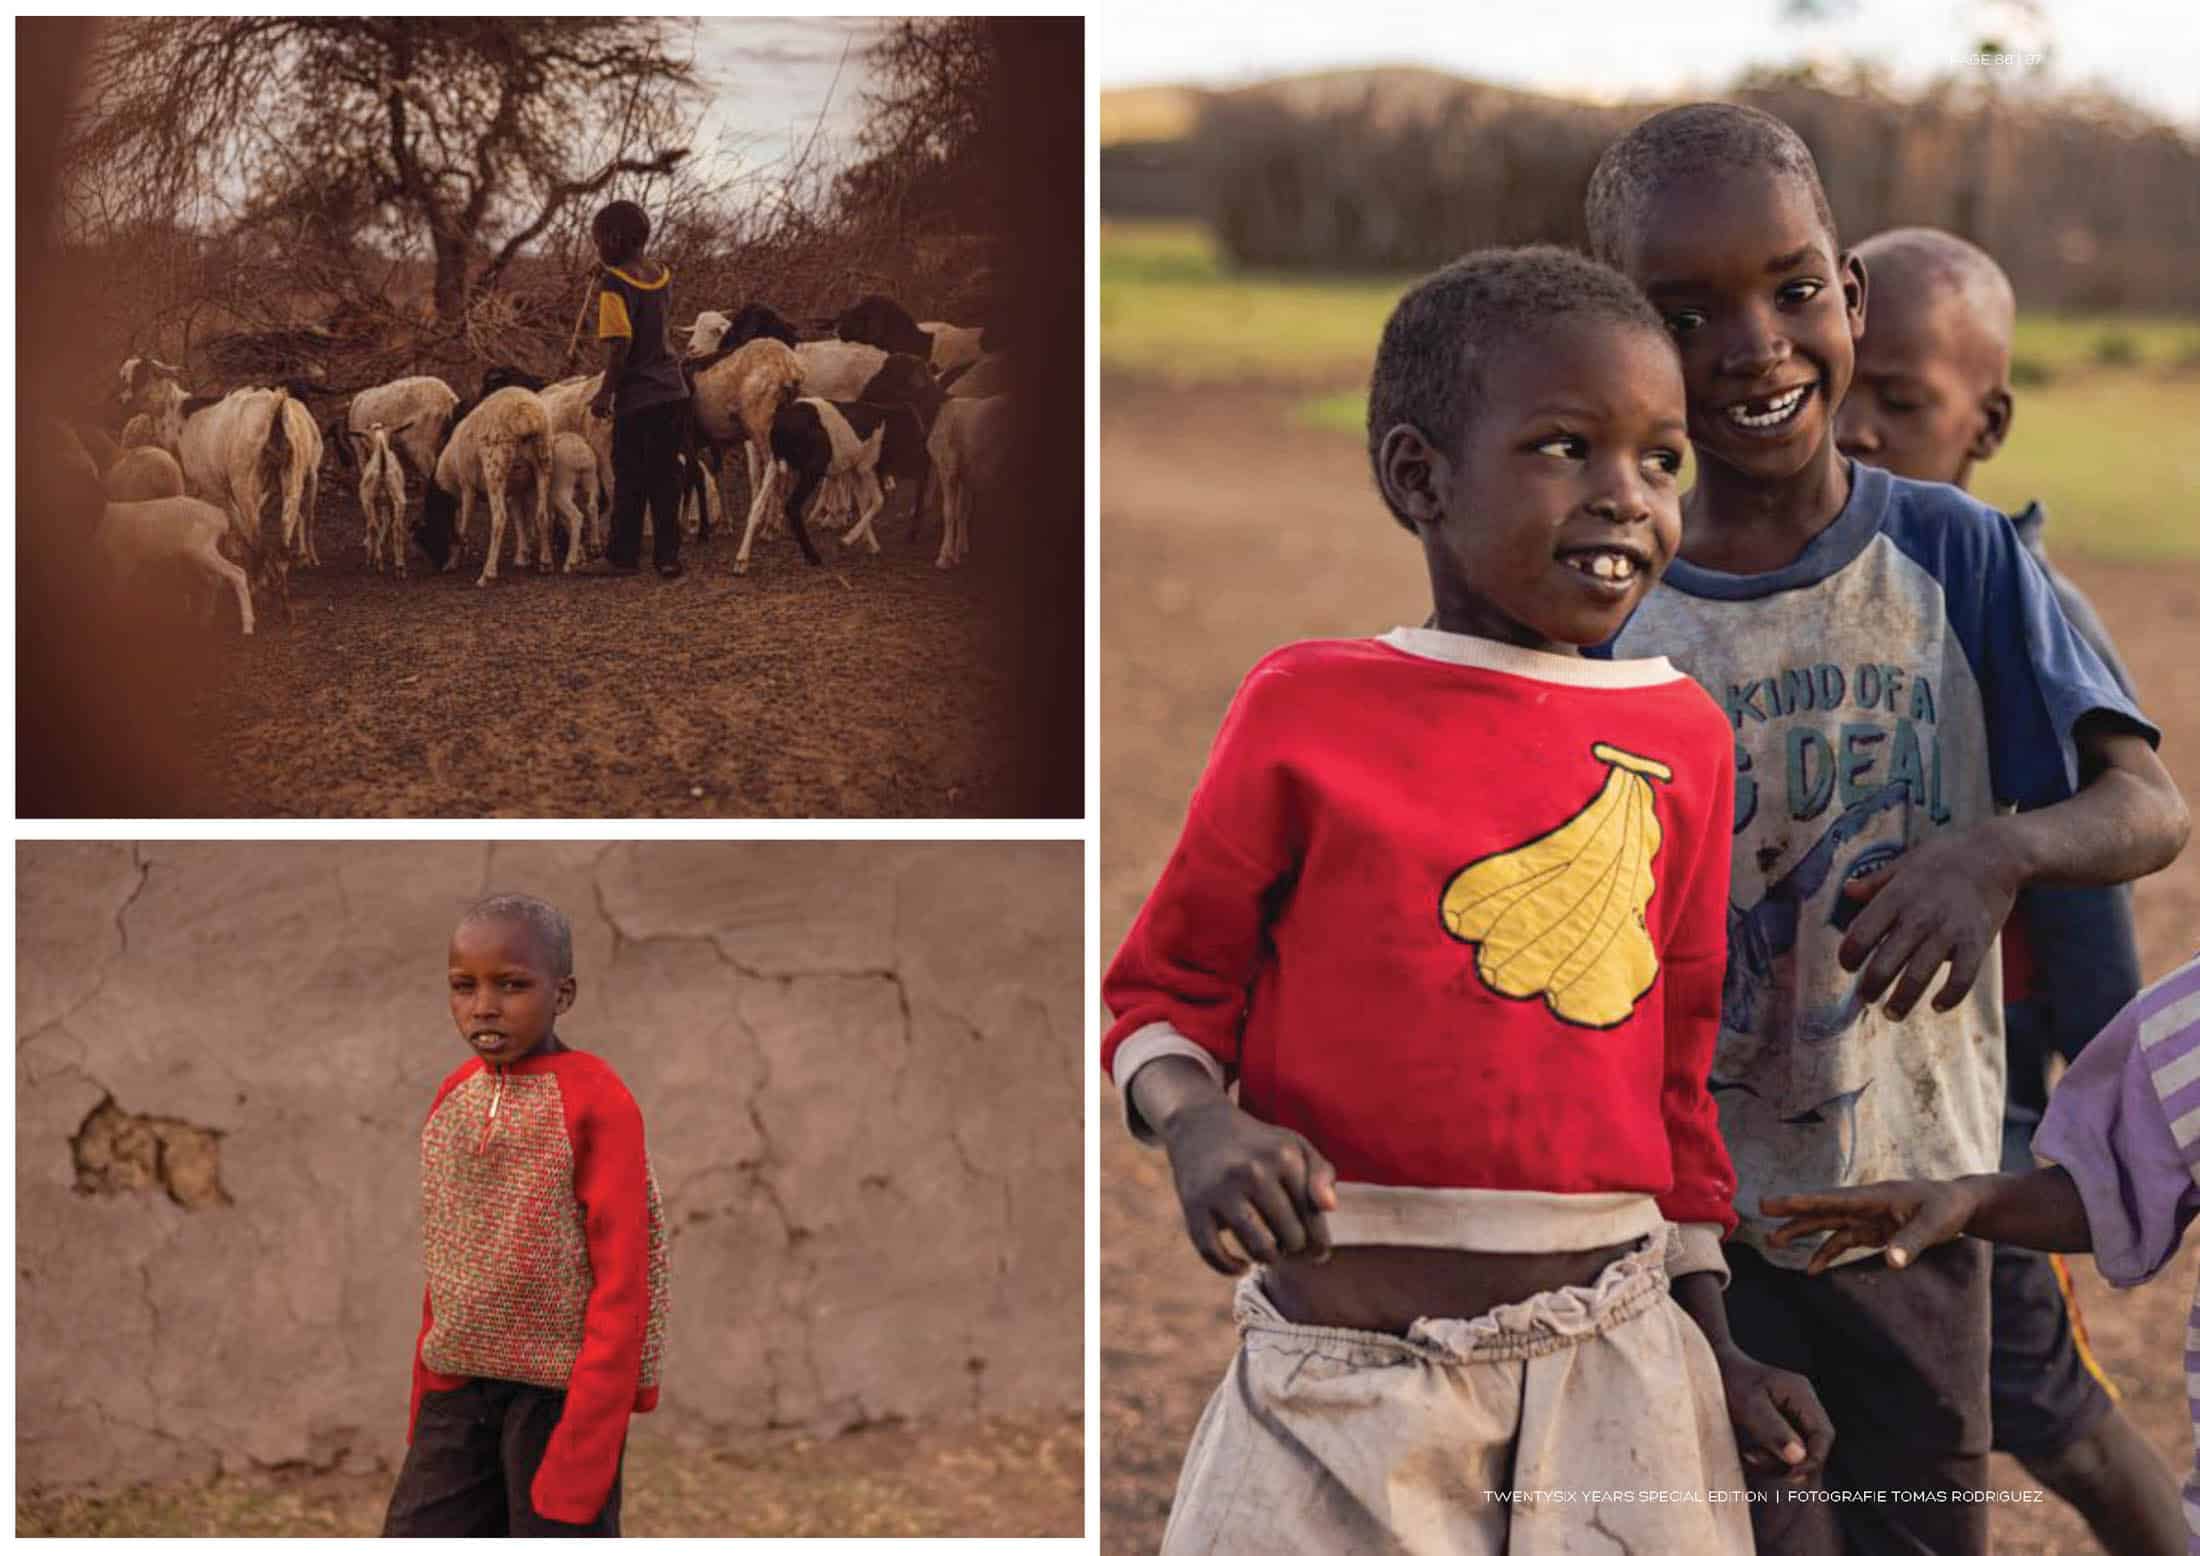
[[871, 686], [1227, 530], [1012, 1477]]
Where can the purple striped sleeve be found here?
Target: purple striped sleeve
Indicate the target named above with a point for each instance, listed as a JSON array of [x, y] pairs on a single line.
[[2125, 1124]]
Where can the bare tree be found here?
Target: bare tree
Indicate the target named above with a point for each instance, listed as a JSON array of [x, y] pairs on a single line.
[[936, 92], [474, 134]]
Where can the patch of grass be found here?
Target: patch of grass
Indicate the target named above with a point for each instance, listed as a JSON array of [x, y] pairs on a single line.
[[2104, 454], [2116, 349], [2060, 342], [1170, 310]]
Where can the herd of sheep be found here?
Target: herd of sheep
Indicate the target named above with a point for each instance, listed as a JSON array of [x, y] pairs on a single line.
[[229, 485]]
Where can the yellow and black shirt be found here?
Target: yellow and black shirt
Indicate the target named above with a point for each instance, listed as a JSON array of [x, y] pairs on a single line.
[[636, 310]]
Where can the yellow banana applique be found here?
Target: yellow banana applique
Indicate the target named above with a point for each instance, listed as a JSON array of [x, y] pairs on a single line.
[[1561, 916]]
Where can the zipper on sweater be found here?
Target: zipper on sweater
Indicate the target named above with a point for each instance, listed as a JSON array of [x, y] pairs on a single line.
[[496, 1096]]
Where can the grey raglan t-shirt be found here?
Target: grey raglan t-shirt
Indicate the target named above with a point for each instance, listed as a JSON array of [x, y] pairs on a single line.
[[1909, 673]]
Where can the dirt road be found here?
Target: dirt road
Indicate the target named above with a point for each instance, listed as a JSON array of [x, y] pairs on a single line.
[[871, 686], [1226, 530]]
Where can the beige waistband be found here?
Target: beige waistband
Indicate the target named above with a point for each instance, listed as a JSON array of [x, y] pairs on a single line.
[[1488, 1220]]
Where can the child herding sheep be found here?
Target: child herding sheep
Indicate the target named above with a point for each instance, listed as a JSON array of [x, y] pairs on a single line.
[[643, 391]]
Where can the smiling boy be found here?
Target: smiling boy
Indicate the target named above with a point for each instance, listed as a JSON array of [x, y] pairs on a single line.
[[1897, 678], [543, 1322], [1449, 907]]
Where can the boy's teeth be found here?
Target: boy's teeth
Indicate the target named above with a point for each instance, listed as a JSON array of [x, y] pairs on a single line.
[[1605, 564], [1777, 409]]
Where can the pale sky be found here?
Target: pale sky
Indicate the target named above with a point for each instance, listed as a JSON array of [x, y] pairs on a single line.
[[771, 77], [2147, 50]]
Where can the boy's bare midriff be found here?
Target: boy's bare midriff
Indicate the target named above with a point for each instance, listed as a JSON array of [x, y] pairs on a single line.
[[1385, 1288]]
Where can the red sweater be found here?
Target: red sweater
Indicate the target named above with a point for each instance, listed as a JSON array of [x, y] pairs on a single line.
[[1456, 912], [545, 1252]]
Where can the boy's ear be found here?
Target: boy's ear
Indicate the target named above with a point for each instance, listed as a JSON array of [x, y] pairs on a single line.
[[1855, 292], [567, 988], [1996, 412], [1413, 473]]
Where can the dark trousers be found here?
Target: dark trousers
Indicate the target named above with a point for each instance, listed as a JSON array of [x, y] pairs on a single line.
[[471, 1467], [645, 467], [1899, 1359]]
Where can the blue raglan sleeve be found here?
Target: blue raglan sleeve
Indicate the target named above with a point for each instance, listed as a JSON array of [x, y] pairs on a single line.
[[2037, 675]]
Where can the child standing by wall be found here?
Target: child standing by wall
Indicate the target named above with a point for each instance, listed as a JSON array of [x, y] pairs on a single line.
[[1896, 675], [543, 1323], [1449, 906], [1932, 397], [642, 389]]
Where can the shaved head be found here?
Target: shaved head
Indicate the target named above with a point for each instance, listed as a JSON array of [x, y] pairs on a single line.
[[1942, 272], [1931, 394], [550, 929]]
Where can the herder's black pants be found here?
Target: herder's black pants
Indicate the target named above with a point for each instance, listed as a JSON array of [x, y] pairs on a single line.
[[645, 467], [472, 1463]]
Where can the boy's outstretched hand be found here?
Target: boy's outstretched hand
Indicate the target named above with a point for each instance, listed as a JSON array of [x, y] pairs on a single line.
[[1905, 1217], [1941, 902], [1779, 1425], [1265, 1186]]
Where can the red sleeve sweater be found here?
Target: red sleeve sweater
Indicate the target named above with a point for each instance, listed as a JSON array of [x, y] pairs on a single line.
[[546, 1257], [1456, 912]]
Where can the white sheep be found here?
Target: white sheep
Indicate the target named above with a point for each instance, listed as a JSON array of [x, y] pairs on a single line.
[[382, 499], [953, 344], [838, 369], [416, 414], [816, 441], [573, 472], [987, 377], [969, 448], [237, 453], [141, 431], [302, 480], [144, 474], [735, 400], [506, 435], [831, 369], [171, 529]]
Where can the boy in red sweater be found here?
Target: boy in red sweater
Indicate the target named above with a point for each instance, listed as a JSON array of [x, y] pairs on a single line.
[[1449, 907], [543, 1322]]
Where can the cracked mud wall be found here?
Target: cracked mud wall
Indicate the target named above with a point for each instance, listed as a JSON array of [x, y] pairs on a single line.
[[858, 1063]]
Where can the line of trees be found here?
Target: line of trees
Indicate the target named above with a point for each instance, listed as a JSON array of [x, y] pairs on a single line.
[[2086, 202]]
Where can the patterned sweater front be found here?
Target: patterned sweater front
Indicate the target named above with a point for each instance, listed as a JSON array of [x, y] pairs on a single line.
[[546, 1257], [1454, 911]]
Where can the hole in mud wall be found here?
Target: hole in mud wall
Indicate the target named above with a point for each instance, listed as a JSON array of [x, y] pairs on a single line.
[[120, 1153]]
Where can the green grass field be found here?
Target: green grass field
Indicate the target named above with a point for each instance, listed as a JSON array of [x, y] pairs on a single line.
[[2097, 442]]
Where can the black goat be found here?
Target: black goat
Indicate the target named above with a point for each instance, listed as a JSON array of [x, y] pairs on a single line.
[[879, 321]]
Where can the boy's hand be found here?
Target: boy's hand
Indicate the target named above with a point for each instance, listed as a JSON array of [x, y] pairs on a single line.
[[1265, 1186], [1943, 901], [1905, 1217], [601, 405], [1778, 1423]]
